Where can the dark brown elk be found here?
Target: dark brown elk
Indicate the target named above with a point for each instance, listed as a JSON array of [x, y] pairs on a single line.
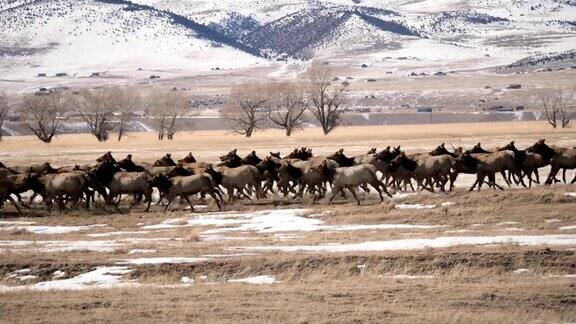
[[560, 158], [172, 171], [166, 160], [303, 154], [251, 159], [527, 161], [128, 165], [15, 184], [477, 149], [6, 192], [107, 157], [288, 177], [44, 168], [341, 158], [268, 169], [487, 165], [275, 155], [426, 171], [7, 169], [232, 159], [188, 159], [457, 168]]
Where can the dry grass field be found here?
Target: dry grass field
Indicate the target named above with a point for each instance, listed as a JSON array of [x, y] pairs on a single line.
[[489, 256], [208, 145]]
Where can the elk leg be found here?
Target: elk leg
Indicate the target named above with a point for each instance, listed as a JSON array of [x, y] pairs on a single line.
[[189, 203], [148, 199], [553, 171], [503, 173], [377, 188], [214, 195], [480, 182], [521, 179], [384, 189], [15, 204], [537, 176], [230, 192], [21, 201], [353, 191], [335, 191], [242, 194], [492, 180]]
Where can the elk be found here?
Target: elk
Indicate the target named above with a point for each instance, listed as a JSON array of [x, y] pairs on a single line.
[[559, 158]]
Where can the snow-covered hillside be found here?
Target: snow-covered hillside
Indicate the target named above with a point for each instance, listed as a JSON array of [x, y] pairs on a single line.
[[83, 36]]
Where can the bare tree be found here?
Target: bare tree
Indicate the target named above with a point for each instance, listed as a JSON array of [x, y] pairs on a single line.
[[43, 113], [167, 108], [246, 111], [287, 106], [326, 99], [558, 106], [4, 110], [126, 104], [96, 107]]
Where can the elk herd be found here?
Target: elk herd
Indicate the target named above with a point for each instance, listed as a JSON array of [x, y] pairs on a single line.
[[297, 174]]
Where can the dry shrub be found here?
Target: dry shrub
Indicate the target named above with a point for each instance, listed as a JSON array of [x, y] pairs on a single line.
[[193, 235]]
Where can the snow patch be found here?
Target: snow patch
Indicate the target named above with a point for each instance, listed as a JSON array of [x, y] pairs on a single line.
[[416, 244], [162, 260], [101, 277], [187, 280], [116, 233], [37, 229], [269, 221], [257, 280], [141, 251], [567, 228], [62, 246], [414, 206], [407, 277], [521, 271]]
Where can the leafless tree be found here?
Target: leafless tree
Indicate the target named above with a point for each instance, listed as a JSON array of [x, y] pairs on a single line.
[[167, 108], [105, 109], [4, 110], [245, 111], [326, 99], [558, 106], [127, 102], [42, 114], [287, 105]]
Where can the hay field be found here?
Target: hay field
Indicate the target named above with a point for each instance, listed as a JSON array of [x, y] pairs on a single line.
[[489, 256]]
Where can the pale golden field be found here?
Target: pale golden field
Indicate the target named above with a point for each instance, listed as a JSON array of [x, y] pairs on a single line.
[[208, 145], [520, 274]]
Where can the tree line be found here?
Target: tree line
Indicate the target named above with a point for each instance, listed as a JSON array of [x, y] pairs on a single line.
[[288, 106], [104, 111], [318, 96]]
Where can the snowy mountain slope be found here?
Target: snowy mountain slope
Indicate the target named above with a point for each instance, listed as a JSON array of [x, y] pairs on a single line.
[[70, 36], [300, 34], [77, 36]]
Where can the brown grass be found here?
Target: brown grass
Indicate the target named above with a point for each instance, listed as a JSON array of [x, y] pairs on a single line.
[[208, 145]]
